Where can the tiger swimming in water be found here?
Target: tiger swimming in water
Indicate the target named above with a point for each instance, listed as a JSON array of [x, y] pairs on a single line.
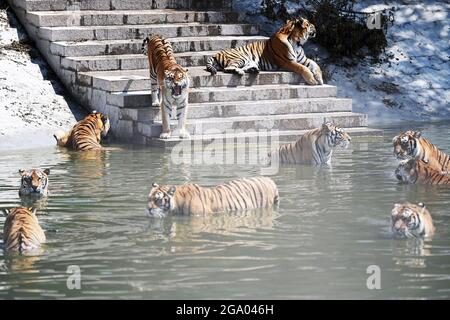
[[192, 199], [22, 231], [172, 83], [416, 171], [411, 144], [411, 221], [86, 134], [284, 50], [34, 182], [314, 147]]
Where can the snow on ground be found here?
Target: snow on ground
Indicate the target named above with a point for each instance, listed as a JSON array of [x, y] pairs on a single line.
[[32, 101], [412, 82]]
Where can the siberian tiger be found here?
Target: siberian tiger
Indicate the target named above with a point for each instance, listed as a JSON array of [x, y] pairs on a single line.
[[411, 220], [284, 50], [172, 83], [411, 144], [314, 147], [34, 182], [86, 134], [192, 199], [22, 231], [416, 171]]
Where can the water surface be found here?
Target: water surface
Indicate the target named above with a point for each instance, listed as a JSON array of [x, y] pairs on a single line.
[[331, 224]]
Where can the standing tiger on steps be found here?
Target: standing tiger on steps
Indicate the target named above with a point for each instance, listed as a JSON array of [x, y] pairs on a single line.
[[284, 50], [314, 147], [86, 134], [172, 84]]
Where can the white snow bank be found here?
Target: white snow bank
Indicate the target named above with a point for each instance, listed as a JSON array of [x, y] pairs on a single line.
[[32, 105]]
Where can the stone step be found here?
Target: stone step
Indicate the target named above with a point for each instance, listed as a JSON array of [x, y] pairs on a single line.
[[301, 121], [134, 80], [252, 137], [116, 47], [138, 99], [129, 61], [245, 108], [129, 17], [191, 29], [61, 5]]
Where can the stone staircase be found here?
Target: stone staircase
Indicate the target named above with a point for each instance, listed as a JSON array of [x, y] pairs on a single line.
[[94, 47]]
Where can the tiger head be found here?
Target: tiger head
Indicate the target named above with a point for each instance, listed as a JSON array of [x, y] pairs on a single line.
[[409, 220], [34, 182], [299, 30], [102, 121], [406, 145], [335, 135], [160, 200], [407, 171], [177, 81]]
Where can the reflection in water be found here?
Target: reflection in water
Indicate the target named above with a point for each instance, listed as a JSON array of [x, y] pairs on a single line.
[[329, 227]]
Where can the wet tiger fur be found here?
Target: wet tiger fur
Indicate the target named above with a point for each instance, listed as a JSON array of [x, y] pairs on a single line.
[[416, 171], [284, 50], [192, 199], [411, 221], [34, 182], [314, 147], [22, 231], [172, 84], [411, 144], [86, 134]]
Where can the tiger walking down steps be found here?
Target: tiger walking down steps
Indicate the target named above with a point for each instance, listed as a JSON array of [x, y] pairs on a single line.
[[284, 50], [172, 85], [192, 199]]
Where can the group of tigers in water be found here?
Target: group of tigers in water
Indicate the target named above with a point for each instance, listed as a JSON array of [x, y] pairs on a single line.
[[421, 161]]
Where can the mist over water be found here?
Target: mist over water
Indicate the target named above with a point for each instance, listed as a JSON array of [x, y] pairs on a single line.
[[331, 225]]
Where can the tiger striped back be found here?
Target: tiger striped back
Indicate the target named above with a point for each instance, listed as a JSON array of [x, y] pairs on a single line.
[[161, 57], [86, 134], [192, 199], [22, 231], [314, 147], [416, 171], [411, 144]]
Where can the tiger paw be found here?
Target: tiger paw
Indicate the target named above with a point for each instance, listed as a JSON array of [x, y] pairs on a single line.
[[310, 79], [156, 104], [165, 135], [318, 78]]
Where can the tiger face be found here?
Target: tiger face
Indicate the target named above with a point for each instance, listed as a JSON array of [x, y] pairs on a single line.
[[176, 81], [301, 30], [336, 136], [34, 182], [411, 220], [160, 200], [406, 145]]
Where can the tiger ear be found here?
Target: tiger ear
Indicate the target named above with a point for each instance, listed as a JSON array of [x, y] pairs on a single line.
[[421, 204], [47, 171], [21, 172], [5, 212], [94, 112], [327, 126], [104, 118], [167, 73], [172, 191], [155, 185], [290, 24], [417, 134], [304, 23], [186, 70]]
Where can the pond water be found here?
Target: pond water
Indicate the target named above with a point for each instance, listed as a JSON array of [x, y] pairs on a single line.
[[331, 225]]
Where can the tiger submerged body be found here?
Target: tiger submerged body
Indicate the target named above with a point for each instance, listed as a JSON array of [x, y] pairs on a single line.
[[411, 220], [284, 50], [172, 83], [411, 145], [314, 147], [34, 182], [86, 135], [22, 231], [416, 171], [192, 199]]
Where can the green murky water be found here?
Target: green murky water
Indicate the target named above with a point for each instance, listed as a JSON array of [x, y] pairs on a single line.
[[332, 223]]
